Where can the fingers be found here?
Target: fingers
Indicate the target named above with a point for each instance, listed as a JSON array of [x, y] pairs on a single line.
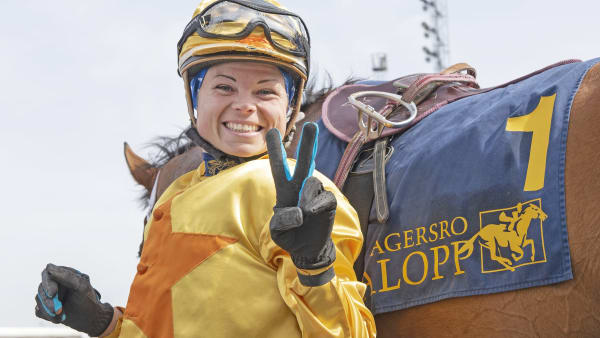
[[315, 199], [66, 276], [277, 157], [42, 312], [307, 150], [311, 189], [323, 203], [48, 292], [50, 287], [44, 307], [285, 219], [55, 279], [48, 301]]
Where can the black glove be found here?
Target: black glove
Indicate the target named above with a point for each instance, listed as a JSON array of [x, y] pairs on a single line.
[[66, 296], [304, 211]]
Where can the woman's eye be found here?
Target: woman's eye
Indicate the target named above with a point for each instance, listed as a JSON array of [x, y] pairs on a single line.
[[225, 88], [266, 92]]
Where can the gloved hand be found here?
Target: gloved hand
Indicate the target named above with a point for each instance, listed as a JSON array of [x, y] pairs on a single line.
[[304, 211], [66, 296]]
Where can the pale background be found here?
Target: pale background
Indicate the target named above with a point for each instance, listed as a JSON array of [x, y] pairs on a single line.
[[77, 78]]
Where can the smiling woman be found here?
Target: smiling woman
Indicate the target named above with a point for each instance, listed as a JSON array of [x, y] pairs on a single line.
[[240, 246], [238, 103]]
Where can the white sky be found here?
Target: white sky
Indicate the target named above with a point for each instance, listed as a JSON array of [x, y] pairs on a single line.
[[77, 78]]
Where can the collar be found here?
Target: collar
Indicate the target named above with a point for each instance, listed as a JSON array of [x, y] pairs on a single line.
[[213, 166]]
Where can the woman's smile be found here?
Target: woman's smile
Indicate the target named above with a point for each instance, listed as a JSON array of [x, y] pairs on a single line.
[[242, 128]]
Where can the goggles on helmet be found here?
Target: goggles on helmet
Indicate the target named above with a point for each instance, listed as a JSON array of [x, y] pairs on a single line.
[[236, 19]]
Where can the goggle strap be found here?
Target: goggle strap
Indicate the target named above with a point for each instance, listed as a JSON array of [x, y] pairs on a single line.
[[267, 8], [296, 110]]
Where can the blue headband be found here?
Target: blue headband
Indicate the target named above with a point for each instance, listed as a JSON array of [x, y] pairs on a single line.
[[196, 83]]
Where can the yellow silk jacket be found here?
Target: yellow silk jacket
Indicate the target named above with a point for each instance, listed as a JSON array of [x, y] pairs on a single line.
[[210, 269]]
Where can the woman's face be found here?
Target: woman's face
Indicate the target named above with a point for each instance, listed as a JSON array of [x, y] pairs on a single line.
[[238, 103]]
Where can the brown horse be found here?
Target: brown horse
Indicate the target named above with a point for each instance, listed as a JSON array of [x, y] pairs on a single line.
[[570, 308]]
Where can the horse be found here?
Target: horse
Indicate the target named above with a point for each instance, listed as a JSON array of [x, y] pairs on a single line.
[[569, 308]]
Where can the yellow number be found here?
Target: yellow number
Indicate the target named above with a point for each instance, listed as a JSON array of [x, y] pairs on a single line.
[[539, 122]]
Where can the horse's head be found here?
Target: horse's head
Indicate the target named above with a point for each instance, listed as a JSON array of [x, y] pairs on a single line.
[[533, 211]]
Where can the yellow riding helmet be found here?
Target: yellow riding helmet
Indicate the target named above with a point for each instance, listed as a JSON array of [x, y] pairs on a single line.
[[245, 30]]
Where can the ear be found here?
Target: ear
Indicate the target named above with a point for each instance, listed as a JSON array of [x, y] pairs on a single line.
[[143, 173]]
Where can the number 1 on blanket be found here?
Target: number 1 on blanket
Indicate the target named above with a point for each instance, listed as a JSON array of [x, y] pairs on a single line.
[[538, 122]]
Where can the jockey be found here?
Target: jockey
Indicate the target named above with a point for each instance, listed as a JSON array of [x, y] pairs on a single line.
[[242, 246]]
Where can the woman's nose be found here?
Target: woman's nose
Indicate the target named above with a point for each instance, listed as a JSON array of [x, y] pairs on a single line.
[[244, 104]]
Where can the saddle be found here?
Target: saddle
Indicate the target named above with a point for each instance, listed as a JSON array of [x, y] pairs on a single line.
[[368, 136]]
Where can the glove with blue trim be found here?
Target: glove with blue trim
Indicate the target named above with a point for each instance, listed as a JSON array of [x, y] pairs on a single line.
[[304, 212], [66, 296]]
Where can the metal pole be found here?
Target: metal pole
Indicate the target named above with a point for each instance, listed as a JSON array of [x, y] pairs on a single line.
[[437, 30]]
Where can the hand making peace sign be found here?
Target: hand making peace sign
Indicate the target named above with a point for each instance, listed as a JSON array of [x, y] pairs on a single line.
[[304, 212]]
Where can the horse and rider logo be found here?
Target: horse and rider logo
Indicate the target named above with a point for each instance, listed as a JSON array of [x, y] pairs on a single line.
[[509, 238]]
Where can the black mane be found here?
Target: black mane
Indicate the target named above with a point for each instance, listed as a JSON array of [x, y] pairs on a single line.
[[164, 148], [167, 147]]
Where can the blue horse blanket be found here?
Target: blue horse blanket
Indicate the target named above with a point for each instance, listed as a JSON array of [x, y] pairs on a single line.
[[476, 196]]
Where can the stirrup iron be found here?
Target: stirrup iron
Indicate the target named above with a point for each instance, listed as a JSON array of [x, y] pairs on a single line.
[[375, 123]]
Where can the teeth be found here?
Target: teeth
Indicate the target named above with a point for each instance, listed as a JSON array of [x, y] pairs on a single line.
[[242, 128]]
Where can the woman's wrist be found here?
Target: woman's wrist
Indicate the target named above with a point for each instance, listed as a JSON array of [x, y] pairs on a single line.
[[117, 314]]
